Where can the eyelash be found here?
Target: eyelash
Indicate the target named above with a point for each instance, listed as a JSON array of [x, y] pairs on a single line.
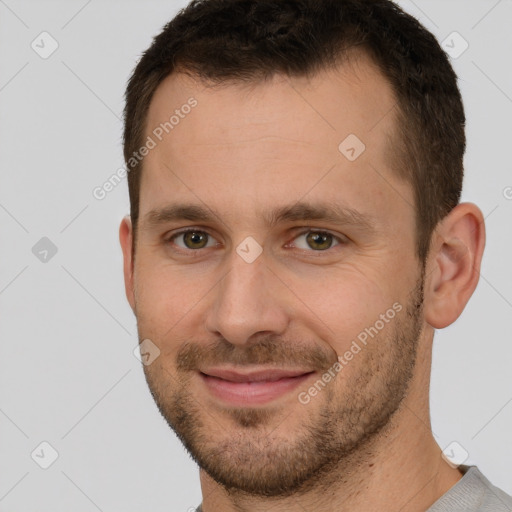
[[338, 239]]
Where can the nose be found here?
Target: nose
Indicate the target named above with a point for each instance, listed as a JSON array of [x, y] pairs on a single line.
[[250, 300]]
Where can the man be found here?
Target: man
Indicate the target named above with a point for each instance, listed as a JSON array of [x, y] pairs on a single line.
[[295, 239]]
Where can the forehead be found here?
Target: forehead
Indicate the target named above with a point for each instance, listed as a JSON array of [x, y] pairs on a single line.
[[247, 144], [354, 97]]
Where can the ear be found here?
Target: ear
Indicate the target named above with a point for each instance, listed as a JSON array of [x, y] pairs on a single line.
[[453, 264], [126, 239]]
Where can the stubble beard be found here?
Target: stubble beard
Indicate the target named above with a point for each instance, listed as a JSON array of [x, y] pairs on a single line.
[[249, 453]]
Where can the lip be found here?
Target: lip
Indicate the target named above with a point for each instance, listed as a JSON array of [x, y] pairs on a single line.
[[252, 387]]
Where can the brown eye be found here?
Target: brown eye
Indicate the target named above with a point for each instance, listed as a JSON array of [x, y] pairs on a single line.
[[316, 240], [319, 241], [195, 239], [192, 239]]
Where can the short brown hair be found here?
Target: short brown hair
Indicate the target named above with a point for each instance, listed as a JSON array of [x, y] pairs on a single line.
[[250, 40]]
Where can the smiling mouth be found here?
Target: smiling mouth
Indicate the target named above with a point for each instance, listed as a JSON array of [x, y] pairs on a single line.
[[252, 388]]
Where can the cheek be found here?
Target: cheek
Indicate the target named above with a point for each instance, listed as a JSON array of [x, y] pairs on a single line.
[[163, 298], [340, 306], [170, 305]]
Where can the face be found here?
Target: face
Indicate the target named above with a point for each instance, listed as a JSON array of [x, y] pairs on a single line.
[[275, 271]]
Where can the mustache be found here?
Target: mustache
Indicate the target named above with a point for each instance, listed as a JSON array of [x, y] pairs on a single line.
[[268, 351]]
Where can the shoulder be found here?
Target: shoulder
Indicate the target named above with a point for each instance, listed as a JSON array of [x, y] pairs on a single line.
[[473, 493]]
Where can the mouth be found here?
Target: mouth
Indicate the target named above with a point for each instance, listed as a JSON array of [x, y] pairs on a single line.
[[250, 388]]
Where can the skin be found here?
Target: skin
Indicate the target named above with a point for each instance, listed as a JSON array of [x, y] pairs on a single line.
[[242, 152]]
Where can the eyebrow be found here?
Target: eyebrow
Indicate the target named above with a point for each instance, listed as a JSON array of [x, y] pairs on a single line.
[[300, 211]]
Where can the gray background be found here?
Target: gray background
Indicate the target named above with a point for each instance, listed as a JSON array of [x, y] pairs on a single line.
[[68, 373]]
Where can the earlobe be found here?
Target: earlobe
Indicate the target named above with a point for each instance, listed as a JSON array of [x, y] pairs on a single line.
[[453, 265], [125, 239]]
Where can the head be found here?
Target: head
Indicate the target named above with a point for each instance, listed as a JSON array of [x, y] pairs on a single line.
[[312, 151]]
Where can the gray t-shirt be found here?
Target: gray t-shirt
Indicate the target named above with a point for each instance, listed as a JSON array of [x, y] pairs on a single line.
[[472, 493]]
